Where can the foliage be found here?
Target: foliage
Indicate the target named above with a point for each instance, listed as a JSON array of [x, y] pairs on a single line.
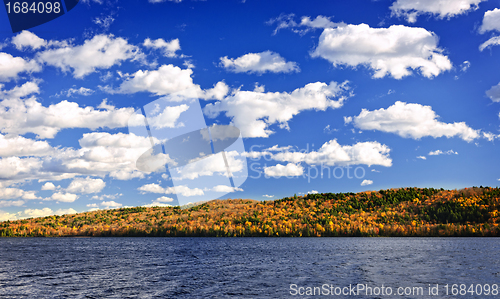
[[394, 212]]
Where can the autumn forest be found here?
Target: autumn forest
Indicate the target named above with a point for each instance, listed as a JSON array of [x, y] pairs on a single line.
[[394, 212]]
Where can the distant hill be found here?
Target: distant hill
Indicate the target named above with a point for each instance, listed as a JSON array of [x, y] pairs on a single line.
[[394, 212]]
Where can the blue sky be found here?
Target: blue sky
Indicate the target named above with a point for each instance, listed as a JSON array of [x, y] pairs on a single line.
[[399, 93]]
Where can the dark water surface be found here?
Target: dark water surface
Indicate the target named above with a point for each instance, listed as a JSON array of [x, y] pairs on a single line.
[[242, 267]]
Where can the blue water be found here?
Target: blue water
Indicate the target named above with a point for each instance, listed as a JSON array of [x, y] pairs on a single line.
[[241, 267]]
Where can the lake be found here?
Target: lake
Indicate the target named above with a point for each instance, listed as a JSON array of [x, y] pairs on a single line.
[[249, 267]]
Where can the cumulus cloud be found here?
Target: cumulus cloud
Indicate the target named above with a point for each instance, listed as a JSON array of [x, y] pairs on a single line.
[[268, 196], [491, 21], [411, 121], [289, 170], [29, 116], [305, 25], [388, 51], [422, 157], [21, 146], [169, 48], [225, 189], [100, 154], [366, 182], [254, 111], [166, 80], [26, 39], [104, 21], [494, 41], [182, 189], [86, 185], [11, 67], [411, 9], [210, 166], [110, 205], [332, 153], [48, 186], [440, 152], [259, 63], [17, 92], [100, 52], [63, 197], [4, 216], [16, 193], [72, 91], [38, 212]]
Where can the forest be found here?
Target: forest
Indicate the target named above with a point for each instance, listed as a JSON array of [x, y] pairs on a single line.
[[385, 213]]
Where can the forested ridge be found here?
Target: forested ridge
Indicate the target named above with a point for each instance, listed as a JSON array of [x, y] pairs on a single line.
[[395, 212]]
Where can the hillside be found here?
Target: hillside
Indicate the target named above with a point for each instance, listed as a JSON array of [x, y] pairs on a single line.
[[394, 212]]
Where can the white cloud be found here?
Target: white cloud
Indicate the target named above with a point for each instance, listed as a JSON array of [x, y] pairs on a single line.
[[168, 79], [29, 116], [72, 91], [440, 152], [259, 63], [411, 121], [494, 41], [254, 111], [12, 193], [37, 212], [100, 52], [312, 192], [168, 48], [422, 157], [15, 167], [164, 199], [289, 170], [104, 21], [183, 190], [11, 203], [268, 196], [394, 50], [26, 39], [366, 182], [494, 93], [410, 9], [465, 66], [65, 211], [152, 188], [63, 197], [168, 117], [107, 196], [20, 146], [210, 166], [19, 91], [491, 21], [225, 189], [160, 202], [11, 67], [4, 216], [87, 185], [110, 205], [332, 153], [287, 21], [100, 154], [48, 186]]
